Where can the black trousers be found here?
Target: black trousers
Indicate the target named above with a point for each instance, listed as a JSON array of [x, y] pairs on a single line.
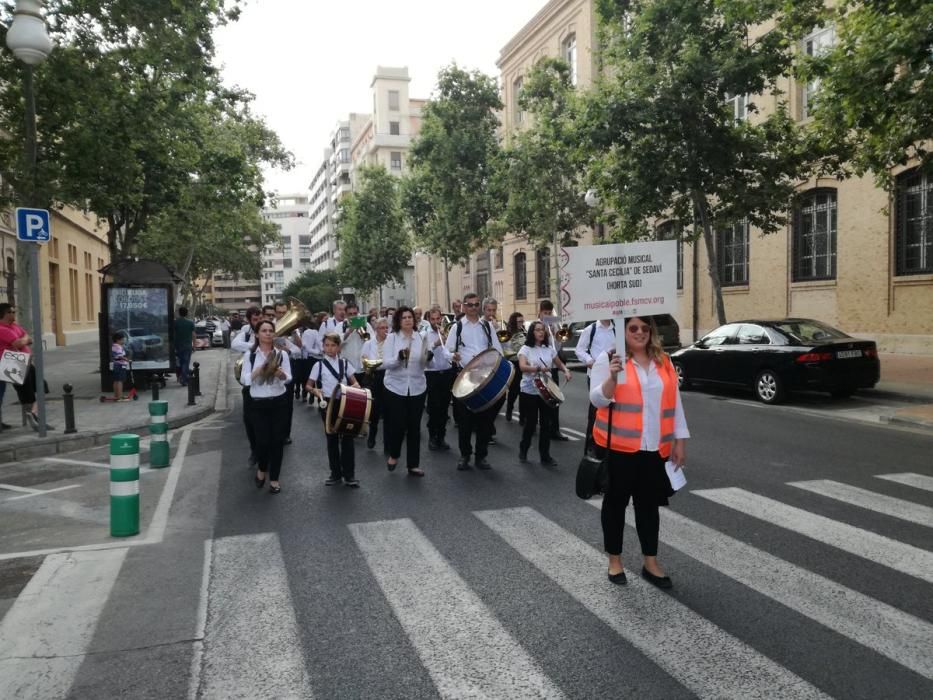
[[439, 386], [514, 390], [290, 393], [535, 410], [267, 417], [375, 383], [301, 370], [555, 425], [403, 423], [633, 475], [469, 423], [247, 423], [340, 453]]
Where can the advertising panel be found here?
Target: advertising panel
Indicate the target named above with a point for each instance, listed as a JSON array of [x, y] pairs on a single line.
[[142, 313]]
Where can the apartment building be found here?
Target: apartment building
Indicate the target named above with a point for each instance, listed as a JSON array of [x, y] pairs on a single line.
[[851, 255], [69, 276], [284, 260], [230, 293]]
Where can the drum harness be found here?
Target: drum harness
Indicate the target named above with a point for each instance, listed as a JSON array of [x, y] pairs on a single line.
[[589, 346], [484, 324], [342, 373]]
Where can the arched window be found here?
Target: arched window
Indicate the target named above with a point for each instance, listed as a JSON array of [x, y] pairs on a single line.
[[673, 231], [570, 55], [521, 277], [814, 241], [913, 224], [543, 272]]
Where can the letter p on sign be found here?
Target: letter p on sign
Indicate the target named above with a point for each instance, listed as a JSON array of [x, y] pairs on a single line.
[[33, 225]]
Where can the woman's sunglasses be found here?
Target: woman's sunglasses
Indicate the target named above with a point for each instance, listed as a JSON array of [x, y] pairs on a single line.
[[636, 328]]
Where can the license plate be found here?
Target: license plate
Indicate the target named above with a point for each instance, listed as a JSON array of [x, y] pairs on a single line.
[[844, 354]]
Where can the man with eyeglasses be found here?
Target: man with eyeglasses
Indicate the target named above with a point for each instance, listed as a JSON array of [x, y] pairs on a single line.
[[468, 337]]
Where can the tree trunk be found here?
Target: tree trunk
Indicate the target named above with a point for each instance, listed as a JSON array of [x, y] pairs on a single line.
[[699, 202], [447, 282]]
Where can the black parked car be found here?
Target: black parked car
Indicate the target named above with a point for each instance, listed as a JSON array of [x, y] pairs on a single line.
[[774, 357], [667, 329]]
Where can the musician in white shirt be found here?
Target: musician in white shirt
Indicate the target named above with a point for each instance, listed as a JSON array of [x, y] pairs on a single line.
[[466, 339], [550, 321], [536, 357], [325, 376], [374, 381], [440, 378], [404, 359], [269, 401], [243, 342], [595, 339]]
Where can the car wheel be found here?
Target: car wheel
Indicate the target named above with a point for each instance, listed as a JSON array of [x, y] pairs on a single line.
[[841, 393], [769, 387], [683, 383]]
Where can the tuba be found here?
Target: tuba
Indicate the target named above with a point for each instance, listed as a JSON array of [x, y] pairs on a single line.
[[563, 333], [283, 328], [503, 334]]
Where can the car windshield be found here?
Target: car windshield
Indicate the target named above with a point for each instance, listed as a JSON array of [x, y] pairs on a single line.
[[808, 332]]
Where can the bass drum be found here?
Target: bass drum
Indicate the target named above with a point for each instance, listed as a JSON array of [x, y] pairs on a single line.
[[348, 411], [548, 390], [483, 381]]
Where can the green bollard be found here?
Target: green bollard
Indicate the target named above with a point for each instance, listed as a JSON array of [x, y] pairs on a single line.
[[158, 434], [124, 485]]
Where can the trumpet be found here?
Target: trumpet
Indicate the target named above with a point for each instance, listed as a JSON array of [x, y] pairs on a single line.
[[503, 334], [370, 366], [563, 333], [363, 333]]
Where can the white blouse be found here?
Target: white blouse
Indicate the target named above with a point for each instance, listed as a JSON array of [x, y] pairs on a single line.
[[440, 361], [270, 388], [325, 380], [539, 356], [404, 379], [372, 349], [651, 388]]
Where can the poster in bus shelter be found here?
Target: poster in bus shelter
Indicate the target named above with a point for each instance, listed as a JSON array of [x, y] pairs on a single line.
[[617, 281], [143, 315]]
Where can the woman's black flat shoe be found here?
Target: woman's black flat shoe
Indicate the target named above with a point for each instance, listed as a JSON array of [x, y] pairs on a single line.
[[618, 579], [659, 581], [275, 489], [260, 482], [391, 466]]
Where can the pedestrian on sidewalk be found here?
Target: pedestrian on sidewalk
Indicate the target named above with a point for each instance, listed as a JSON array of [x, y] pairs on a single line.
[[121, 365], [184, 343], [14, 337]]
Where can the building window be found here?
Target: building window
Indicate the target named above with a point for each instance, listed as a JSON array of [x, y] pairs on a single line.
[[394, 129], [674, 231], [395, 160], [516, 96], [343, 134], [287, 263], [343, 155], [816, 43], [89, 295], [732, 254], [521, 277], [73, 288], [570, 55], [499, 260], [738, 105], [913, 223], [815, 226], [543, 272], [466, 267], [393, 100], [72, 254]]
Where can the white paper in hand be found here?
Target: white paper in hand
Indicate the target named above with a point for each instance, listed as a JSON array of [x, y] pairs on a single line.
[[675, 476]]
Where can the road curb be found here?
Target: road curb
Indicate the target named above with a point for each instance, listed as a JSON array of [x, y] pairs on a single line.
[[95, 438], [910, 421]]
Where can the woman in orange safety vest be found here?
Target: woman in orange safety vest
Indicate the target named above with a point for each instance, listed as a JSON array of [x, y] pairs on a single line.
[[644, 428]]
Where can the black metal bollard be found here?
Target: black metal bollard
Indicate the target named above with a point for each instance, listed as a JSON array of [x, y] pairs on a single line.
[[69, 400], [196, 376], [155, 388], [191, 394]]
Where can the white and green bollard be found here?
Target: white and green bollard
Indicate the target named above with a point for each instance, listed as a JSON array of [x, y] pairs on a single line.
[[124, 485], [158, 434]]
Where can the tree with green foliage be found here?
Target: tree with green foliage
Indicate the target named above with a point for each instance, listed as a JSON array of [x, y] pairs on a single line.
[[374, 243], [541, 177], [316, 290], [874, 106], [661, 138], [449, 198]]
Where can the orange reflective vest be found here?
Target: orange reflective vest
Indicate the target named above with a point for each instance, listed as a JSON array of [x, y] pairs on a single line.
[[627, 413]]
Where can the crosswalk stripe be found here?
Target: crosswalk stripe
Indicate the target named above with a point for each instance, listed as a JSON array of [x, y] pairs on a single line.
[[863, 543], [697, 653], [252, 645], [877, 502], [882, 628], [918, 481], [464, 648], [44, 636]]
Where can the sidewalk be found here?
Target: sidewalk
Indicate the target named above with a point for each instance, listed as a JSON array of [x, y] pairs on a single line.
[[907, 378], [95, 421]]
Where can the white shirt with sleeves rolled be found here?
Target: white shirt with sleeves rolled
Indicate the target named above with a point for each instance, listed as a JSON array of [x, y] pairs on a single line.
[[325, 380], [473, 339], [604, 340], [651, 388], [404, 379]]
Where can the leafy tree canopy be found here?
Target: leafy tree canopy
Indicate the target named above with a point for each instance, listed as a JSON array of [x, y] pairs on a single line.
[[316, 290]]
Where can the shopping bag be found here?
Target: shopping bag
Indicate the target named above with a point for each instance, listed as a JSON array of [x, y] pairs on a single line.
[[14, 366]]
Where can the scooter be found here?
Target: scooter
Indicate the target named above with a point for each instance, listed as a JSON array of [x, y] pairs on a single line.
[[131, 393]]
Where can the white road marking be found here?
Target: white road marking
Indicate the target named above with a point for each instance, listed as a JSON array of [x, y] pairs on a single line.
[[46, 633], [252, 645], [896, 555], [918, 481], [42, 493], [77, 462], [697, 653], [877, 502], [197, 659], [905, 639], [572, 431], [463, 646], [18, 489]]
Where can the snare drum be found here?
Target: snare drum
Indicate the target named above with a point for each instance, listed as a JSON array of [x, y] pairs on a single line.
[[548, 390], [348, 410], [483, 381]]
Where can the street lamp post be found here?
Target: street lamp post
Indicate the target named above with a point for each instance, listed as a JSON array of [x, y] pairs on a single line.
[[29, 41]]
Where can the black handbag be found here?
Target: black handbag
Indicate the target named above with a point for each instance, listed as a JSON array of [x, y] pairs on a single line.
[[592, 473]]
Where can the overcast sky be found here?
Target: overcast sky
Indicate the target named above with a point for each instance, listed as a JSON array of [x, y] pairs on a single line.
[[311, 62]]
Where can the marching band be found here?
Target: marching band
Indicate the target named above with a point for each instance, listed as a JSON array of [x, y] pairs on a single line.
[[356, 371]]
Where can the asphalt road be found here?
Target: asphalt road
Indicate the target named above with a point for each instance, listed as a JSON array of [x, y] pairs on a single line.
[[798, 572]]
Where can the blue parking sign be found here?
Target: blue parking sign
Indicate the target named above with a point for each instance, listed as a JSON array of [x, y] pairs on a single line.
[[33, 225]]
